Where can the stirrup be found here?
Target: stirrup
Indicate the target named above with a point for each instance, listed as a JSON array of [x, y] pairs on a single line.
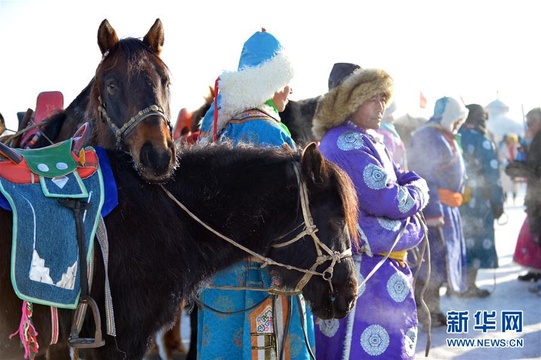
[[85, 343]]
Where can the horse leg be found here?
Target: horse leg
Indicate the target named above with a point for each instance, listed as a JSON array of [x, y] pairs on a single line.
[[169, 341], [192, 352], [172, 338]]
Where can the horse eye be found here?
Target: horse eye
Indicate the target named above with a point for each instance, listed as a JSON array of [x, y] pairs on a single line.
[[338, 223], [111, 89], [166, 83]]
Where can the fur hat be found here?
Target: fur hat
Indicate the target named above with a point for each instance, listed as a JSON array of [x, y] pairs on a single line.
[[339, 72], [448, 110], [476, 113], [477, 117], [340, 102], [263, 69]]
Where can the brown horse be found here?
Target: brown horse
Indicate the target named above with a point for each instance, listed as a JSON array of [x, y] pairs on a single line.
[[127, 102], [163, 240]]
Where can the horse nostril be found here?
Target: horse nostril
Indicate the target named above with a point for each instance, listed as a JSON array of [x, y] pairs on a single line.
[[159, 161]]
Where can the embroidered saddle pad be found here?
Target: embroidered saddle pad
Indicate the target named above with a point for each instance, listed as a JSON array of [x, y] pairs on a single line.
[[45, 254]]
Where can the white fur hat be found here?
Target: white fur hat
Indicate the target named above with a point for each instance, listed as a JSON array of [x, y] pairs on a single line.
[[263, 69], [450, 110]]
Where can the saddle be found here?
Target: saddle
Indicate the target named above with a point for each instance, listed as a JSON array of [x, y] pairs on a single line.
[[56, 196]]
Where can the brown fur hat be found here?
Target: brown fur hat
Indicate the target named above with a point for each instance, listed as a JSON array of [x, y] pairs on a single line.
[[340, 102]]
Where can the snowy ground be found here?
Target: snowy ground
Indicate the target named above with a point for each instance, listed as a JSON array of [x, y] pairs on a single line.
[[508, 294]]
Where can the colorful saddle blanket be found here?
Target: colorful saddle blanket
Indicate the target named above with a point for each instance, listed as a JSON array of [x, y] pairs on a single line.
[[45, 254]]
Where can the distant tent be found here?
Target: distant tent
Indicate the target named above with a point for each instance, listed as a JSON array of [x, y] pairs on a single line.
[[500, 123]]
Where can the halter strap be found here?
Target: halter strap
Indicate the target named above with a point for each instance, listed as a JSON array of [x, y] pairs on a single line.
[[152, 110], [310, 229]]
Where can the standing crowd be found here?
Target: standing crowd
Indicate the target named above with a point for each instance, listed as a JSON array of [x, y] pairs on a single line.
[[425, 207]]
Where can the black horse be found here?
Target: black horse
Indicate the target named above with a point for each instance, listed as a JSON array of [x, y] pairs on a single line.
[[127, 103], [158, 252], [297, 116]]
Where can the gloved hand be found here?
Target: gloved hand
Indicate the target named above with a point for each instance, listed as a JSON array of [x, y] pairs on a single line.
[[497, 211], [435, 222], [517, 169]]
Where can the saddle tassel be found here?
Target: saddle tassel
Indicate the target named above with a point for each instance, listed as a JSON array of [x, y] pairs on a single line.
[[27, 332]]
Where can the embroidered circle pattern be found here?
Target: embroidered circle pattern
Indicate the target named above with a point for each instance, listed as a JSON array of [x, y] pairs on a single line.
[[406, 201], [410, 341], [375, 340], [389, 224], [397, 287], [250, 137], [224, 304], [329, 327], [374, 177], [350, 140]]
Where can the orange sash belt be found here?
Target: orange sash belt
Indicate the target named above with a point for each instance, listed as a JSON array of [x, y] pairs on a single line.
[[450, 198]]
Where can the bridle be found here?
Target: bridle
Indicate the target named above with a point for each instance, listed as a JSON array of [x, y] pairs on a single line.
[[324, 253], [120, 133]]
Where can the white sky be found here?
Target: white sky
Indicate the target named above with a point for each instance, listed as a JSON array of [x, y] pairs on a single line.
[[480, 50]]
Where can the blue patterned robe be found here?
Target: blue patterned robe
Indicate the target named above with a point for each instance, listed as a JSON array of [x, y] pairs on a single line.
[[485, 192], [241, 324], [436, 156], [383, 323]]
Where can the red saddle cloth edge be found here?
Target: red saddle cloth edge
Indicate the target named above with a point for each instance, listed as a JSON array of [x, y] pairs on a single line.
[[21, 174]]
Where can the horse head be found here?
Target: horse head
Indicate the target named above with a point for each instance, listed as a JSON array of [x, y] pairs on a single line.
[[130, 95], [327, 216]]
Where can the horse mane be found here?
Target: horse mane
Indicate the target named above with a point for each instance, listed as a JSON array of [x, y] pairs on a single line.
[[133, 46], [348, 195]]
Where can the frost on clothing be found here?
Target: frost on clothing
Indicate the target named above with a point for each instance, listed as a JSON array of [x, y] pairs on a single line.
[[436, 156], [485, 192], [383, 323]]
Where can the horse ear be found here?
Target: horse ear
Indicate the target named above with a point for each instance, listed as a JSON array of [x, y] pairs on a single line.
[[155, 38], [313, 164], [2, 124], [107, 37]]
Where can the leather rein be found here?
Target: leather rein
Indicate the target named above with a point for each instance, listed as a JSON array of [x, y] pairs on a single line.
[[324, 253]]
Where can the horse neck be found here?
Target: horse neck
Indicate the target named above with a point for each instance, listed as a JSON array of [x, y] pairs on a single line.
[[255, 210], [102, 135]]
